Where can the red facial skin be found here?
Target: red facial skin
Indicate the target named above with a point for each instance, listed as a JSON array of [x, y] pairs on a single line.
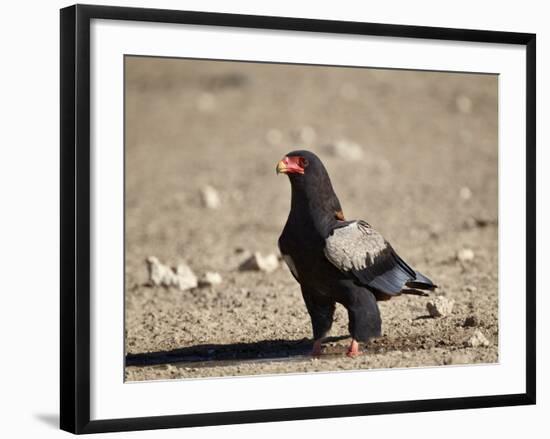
[[291, 165]]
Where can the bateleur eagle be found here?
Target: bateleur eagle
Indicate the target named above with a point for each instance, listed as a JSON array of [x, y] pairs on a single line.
[[338, 261]]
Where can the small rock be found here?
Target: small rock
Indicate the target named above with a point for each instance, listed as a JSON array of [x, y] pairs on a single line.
[[470, 322], [465, 255], [206, 102], [463, 104], [465, 193], [240, 257], [169, 368], [257, 262], [185, 278], [481, 222], [163, 275], [470, 288], [484, 222], [274, 136], [345, 149], [477, 340], [440, 306], [157, 271], [210, 197], [211, 278]]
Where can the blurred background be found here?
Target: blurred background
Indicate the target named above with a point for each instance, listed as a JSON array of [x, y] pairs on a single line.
[[413, 153]]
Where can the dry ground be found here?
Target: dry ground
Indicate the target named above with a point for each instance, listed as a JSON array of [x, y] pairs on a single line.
[[426, 136]]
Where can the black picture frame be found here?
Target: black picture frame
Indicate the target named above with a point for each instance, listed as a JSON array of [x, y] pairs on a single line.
[[75, 217]]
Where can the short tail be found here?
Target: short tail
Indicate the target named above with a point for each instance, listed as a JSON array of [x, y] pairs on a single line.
[[421, 282]]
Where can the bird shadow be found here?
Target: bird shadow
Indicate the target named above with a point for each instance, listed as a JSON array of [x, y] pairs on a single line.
[[234, 352]]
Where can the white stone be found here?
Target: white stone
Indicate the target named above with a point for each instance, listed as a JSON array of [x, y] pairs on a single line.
[[159, 274], [465, 193], [185, 278], [210, 198], [477, 340], [257, 262], [465, 255], [440, 307], [163, 275], [464, 104], [211, 278]]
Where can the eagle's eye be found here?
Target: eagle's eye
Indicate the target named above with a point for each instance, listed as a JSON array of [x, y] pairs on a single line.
[[303, 162]]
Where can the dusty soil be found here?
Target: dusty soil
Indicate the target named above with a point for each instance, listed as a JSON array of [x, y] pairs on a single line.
[[427, 182]]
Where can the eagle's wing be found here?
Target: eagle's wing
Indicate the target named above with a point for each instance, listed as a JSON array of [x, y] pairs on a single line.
[[357, 248]]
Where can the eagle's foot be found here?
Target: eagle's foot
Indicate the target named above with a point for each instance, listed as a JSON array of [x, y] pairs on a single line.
[[317, 348], [353, 350]]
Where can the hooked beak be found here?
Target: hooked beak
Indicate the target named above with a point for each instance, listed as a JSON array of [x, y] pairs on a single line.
[[281, 168], [290, 165]]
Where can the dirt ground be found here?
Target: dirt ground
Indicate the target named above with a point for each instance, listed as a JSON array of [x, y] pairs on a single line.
[[427, 181]]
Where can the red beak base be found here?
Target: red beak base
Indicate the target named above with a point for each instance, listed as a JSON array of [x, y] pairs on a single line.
[[291, 165]]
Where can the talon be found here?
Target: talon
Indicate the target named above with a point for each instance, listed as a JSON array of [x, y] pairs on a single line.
[[353, 350]]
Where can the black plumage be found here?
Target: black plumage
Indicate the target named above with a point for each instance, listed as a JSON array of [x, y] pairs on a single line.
[[338, 261]]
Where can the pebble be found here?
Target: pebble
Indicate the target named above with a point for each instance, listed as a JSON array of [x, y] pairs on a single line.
[[257, 262], [440, 307], [345, 149], [470, 289], [186, 279], [481, 222], [210, 197], [465, 193], [211, 278], [465, 255], [163, 275], [159, 274], [470, 322], [477, 340], [463, 104]]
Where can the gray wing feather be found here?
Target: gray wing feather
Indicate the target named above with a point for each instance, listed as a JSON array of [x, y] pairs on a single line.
[[354, 247]]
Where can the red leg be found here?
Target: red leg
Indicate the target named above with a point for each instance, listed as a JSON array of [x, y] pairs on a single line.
[[353, 350], [316, 351]]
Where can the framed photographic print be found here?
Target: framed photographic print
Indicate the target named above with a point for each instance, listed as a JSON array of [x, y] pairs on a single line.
[[274, 218]]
